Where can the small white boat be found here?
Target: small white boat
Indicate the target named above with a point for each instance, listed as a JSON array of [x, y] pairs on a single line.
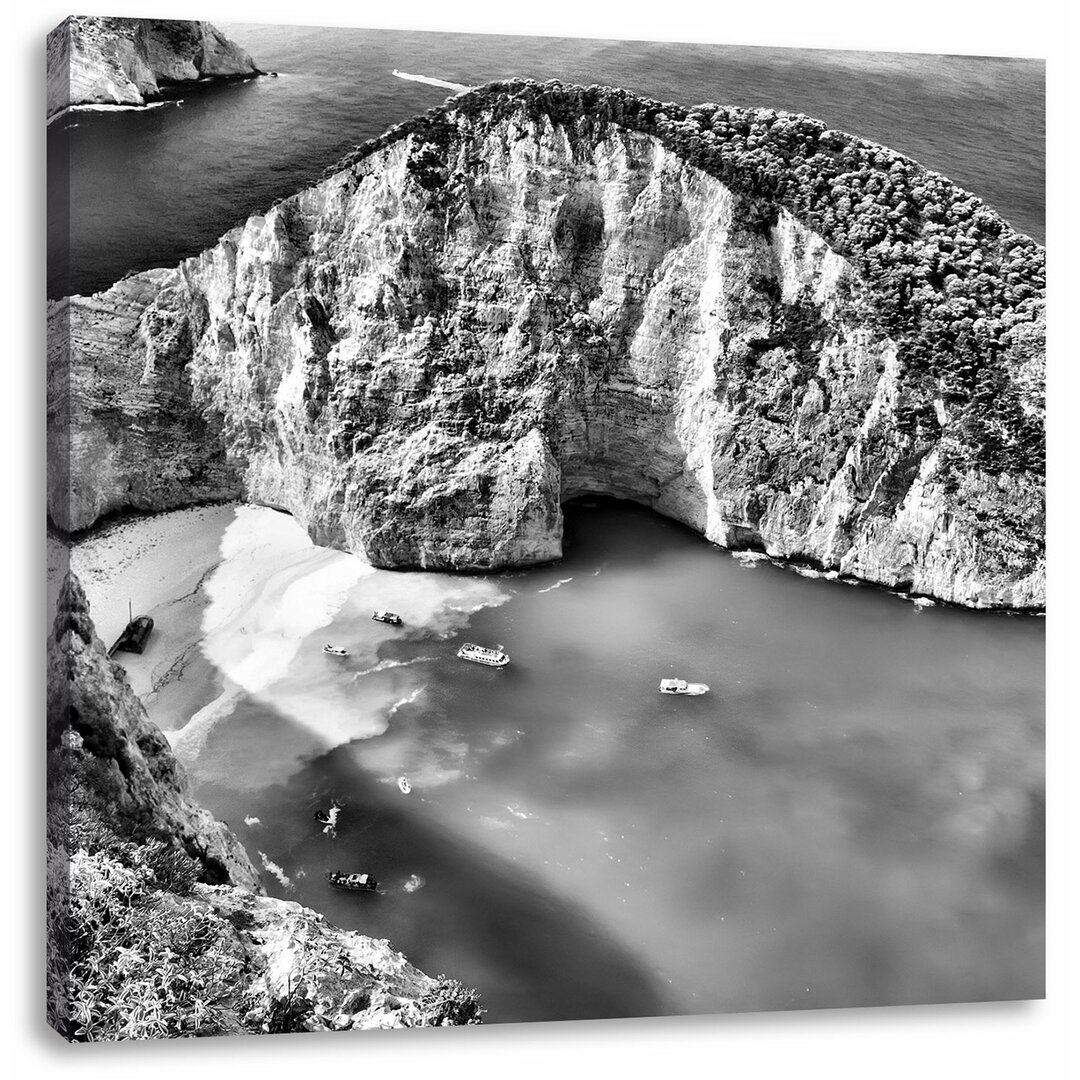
[[334, 650], [391, 617], [478, 654], [404, 784], [351, 882], [681, 686]]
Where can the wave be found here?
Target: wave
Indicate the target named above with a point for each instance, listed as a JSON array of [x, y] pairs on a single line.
[[564, 581], [749, 558], [272, 867], [112, 108], [427, 80], [407, 700]]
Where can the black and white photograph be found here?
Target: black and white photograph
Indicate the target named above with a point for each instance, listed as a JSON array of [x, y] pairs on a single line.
[[539, 527]]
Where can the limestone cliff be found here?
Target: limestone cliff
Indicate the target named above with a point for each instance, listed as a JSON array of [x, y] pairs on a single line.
[[107, 746], [158, 925], [785, 337], [108, 61]]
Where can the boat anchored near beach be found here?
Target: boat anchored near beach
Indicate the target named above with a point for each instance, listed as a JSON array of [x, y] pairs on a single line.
[[351, 882], [681, 686], [480, 654], [334, 650], [135, 634], [390, 617]]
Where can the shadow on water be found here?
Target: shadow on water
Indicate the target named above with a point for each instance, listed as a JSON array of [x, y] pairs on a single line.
[[449, 905]]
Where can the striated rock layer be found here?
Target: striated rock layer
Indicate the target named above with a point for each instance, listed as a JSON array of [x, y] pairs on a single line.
[[106, 745], [537, 293], [94, 60], [158, 925]]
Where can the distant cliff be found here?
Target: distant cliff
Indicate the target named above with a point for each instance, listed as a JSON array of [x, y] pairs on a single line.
[[158, 926], [788, 338], [107, 61]]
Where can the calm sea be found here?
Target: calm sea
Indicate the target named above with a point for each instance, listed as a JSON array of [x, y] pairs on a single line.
[[149, 188], [853, 816]]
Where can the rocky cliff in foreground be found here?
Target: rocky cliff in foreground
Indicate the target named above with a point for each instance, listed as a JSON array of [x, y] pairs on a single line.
[[158, 926], [94, 60], [787, 338]]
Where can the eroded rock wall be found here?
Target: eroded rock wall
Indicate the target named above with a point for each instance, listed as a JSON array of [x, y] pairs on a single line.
[[94, 60], [422, 356], [102, 743]]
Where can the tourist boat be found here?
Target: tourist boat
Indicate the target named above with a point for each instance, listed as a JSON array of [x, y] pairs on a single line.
[[334, 650], [478, 654], [351, 882], [135, 635], [404, 784], [681, 686], [390, 617]]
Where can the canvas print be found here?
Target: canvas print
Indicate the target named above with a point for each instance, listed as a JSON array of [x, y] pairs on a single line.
[[539, 529]]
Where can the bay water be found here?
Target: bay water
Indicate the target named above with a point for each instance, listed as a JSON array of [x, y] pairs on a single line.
[[852, 816]]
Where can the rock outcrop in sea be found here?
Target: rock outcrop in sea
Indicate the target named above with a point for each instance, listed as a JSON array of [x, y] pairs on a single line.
[[97, 60], [790, 339], [158, 924]]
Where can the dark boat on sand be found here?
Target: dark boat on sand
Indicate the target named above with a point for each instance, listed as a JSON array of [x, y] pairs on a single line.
[[135, 635], [351, 882]]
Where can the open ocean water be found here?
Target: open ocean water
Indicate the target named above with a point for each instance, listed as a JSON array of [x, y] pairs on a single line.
[[853, 816], [152, 187]]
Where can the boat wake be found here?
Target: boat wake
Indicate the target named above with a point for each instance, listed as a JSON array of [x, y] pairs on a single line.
[[407, 700], [458, 88], [387, 665], [272, 867]]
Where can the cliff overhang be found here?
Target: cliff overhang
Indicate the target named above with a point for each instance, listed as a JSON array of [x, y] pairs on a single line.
[[784, 336]]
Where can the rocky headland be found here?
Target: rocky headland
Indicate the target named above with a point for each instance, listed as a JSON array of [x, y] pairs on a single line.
[[95, 60], [790, 339], [158, 923]]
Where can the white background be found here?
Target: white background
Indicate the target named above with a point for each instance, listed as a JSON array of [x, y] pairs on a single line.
[[984, 1040]]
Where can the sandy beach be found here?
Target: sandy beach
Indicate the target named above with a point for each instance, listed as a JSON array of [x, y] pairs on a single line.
[[160, 564], [241, 601]]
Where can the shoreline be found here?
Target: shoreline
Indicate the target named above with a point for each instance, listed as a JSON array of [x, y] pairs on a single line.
[[161, 562], [169, 95]]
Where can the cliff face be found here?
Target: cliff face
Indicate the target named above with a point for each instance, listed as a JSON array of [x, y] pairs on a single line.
[[96, 60], [492, 311], [108, 747], [158, 926]]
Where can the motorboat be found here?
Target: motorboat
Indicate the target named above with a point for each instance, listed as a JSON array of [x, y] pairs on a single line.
[[334, 650], [351, 882], [391, 617], [404, 784], [681, 686], [480, 654]]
